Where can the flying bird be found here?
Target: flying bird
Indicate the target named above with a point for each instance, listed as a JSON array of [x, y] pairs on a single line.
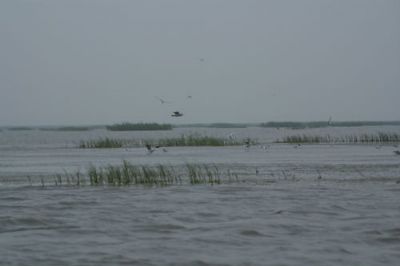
[[176, 114], [330, 121], [149, 148], [161, 100]]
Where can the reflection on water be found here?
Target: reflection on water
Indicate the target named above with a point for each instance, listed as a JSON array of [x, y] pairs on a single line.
[[310, 205]]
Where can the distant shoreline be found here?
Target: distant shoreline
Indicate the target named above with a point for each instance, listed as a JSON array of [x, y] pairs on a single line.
[[156, 126]]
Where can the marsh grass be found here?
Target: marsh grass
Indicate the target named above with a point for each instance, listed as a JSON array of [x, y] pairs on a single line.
[[138, 126], [128, 174], [319, 124], [192, 140], [379, 138], [101, 143], [197, 140], [183, 141], [203, 174], [159, 175]]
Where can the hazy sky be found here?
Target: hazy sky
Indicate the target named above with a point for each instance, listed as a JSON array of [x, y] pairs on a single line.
[[104, 61]]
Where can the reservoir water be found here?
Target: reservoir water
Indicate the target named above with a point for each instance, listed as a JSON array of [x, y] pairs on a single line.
[[314, 204]]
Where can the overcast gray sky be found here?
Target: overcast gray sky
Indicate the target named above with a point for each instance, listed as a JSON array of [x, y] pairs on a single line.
[[104, 61]]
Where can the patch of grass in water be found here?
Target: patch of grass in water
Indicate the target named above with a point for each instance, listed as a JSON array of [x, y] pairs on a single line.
[[379, 138], [129, 174], [203, 174], [197, 140], [101, 143], [319, 124], [183, 141]]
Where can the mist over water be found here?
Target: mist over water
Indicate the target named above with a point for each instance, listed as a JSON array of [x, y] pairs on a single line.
[[330, 204]]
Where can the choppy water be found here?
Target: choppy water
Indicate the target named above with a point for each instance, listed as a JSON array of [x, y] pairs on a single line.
[[311, 205]]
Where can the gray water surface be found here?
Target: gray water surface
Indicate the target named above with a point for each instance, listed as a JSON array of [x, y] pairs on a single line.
[[285, 223], [306, 205]]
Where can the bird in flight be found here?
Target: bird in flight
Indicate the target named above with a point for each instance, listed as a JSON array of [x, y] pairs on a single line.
[[176, 114], [149, 148], [330, 121], [161, 100]]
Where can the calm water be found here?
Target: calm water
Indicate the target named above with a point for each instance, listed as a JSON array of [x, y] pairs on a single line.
[[307, 205]]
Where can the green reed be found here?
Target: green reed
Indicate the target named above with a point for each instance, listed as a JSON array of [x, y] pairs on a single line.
[[198, 140], [128, 174], [379, 138], [319, 124], [203, 174], [101, 143], [182, 141]]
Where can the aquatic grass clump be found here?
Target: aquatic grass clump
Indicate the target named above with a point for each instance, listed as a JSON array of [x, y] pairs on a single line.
[[379, 138], [128, 174], [183, 141], [197, 140], [319, 124], [192, 140], [138, 126], [101, 143], [203, 174]]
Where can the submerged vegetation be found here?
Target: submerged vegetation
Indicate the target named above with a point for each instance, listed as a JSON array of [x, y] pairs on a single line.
[[378, 138], [138, 126]]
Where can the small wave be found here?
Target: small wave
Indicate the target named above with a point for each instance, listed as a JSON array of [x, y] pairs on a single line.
[[389, 240], [161, 228], [12, 198], [250, 233], [40, 228], [388, 236], [10, 224], [207, 214], [198, 263], [21, 221]]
